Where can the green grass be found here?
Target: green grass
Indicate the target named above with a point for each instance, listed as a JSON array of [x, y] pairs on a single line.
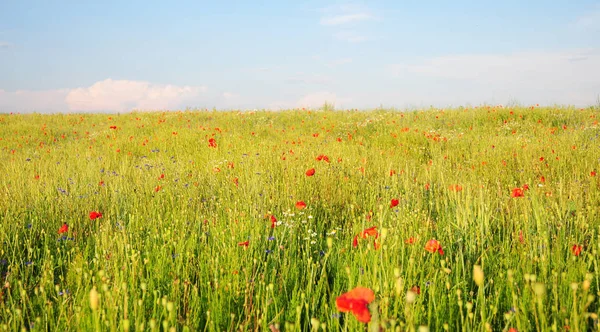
[[169, 259]]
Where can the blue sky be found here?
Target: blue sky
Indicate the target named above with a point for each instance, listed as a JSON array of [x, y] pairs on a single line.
[[66, 56]]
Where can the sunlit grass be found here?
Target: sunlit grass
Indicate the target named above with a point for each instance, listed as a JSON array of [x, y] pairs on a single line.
[[187, 241]]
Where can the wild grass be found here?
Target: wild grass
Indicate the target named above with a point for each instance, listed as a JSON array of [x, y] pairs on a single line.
[[169, 251]]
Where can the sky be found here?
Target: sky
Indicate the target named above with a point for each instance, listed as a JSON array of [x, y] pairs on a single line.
[[116, 56]]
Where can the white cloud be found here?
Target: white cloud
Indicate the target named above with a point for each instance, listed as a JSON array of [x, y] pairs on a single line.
[[124, 95], [544, 77], [345, 18], [311, 100], [493, 67], [278, 105], [33, 101], [344, 15], [590, 20], [112, 96]]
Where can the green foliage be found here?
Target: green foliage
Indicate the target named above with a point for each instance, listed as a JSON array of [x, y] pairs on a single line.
[[169, 250], [328, 106]]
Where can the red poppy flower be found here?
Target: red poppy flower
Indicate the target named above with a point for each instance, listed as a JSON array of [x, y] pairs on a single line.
[[300, 205], [63, 229], [576, 249], [95, 215], [593, 173], [376, 245], [433, 245], [392, 172], [517, 192], [394, 202], [244, 244], [273, 221], [427, 186], [416, 289], [410, 240], [542, 179], [212, 143], [357, 302], [322, 157], [157, 189], [521, 238], [372, 231], [525, 187], [455, 187], [310, 172], [113, 127]]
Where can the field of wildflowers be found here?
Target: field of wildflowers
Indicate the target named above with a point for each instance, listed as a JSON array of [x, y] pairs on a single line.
[[470, 219]]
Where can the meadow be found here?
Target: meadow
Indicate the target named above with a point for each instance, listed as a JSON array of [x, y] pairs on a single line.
[[468, 219]]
